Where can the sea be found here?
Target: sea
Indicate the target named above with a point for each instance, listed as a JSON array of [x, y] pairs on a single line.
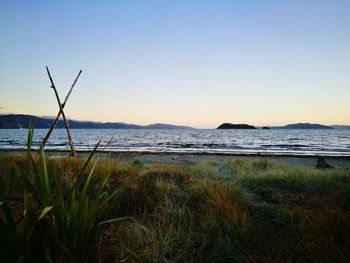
[[247, 142]]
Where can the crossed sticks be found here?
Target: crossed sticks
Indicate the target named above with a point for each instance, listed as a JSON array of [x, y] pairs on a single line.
[[61, 112]]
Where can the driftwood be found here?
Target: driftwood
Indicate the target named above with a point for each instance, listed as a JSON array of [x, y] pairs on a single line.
[[59, 112], [322, 164], [62, 112]]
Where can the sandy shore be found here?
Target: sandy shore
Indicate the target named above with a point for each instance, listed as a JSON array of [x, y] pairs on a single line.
[[189, 158]]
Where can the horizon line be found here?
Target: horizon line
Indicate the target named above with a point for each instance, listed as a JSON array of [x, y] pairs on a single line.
[[190, 126]]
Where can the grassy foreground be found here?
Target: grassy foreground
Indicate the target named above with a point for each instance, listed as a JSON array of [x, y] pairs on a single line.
[[237, 211]]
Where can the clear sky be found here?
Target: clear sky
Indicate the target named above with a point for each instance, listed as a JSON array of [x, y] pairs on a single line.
[[197, 63]]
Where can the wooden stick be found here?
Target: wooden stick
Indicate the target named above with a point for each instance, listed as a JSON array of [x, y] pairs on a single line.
[[59, 113], [63, 115], [71, 88]]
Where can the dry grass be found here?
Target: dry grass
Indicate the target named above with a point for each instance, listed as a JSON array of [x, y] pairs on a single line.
[[238, 211]]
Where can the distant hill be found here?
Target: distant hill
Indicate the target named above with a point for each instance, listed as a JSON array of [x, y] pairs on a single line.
[[166, 126], [15, 121], [235, 126], [306, 126], [18, 121]]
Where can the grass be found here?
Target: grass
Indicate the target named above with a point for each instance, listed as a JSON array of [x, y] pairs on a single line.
[[237, 211]]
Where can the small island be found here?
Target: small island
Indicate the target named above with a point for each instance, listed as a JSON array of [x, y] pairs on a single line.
[[235, 126]]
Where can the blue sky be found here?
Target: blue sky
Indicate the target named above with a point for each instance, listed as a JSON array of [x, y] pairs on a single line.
[[198, 63]]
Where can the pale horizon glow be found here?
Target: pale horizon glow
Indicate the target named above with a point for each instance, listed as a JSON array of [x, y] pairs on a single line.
[[195, 63]]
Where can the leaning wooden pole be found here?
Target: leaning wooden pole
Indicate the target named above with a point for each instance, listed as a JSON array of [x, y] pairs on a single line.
[[63, 115], [59, 113]]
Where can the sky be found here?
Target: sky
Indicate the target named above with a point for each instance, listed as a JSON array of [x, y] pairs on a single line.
[[197, 63]]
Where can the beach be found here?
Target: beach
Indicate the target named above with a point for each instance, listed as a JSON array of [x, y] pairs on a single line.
[[338, 162]]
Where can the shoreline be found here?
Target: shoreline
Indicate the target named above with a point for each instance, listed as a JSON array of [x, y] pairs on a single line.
[[236, 154], [339, 162]]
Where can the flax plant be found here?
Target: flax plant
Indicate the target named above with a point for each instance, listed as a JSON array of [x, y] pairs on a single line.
[[61, 221]]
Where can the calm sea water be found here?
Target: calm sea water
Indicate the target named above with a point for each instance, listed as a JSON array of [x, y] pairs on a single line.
[[294, 142]]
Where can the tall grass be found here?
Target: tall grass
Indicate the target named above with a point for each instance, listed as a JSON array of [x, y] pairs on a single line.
[[61, 222]]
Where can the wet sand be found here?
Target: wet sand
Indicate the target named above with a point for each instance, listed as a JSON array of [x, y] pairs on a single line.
[[190, 158]]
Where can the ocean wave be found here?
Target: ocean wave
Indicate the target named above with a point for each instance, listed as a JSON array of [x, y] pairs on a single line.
[[194, 141]]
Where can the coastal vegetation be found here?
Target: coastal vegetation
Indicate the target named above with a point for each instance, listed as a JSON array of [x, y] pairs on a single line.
[[75, 210]]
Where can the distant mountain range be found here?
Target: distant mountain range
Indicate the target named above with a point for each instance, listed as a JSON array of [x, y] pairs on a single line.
[[313, 126], [288, 126], [306, 126], [18, 121]]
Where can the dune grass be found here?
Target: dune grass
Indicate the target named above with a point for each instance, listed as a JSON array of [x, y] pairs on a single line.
[[238, 211]]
